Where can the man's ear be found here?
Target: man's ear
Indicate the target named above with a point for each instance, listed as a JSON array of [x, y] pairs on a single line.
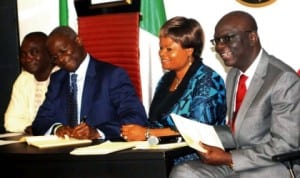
[[253, 37], [78, 41]]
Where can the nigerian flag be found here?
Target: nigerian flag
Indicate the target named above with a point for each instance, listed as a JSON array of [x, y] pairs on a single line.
[[67, 14], [152, 17], [63, 13]]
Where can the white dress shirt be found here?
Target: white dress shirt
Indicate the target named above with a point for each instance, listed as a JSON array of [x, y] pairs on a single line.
[[27, 96], [249, 72]]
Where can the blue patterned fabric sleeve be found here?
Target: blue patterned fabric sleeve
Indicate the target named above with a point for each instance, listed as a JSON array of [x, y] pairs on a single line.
[[204, 100]]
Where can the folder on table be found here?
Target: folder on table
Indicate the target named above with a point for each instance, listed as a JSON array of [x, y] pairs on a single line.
[[49, 141]]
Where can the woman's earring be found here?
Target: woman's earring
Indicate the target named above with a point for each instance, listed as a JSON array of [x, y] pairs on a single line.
[[190, 61]]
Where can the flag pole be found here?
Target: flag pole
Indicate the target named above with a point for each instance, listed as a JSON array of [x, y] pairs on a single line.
[[63, 13]]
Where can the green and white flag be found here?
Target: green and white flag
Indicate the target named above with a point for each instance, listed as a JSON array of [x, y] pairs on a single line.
[[152, 17], [67, 14], [63, 13]]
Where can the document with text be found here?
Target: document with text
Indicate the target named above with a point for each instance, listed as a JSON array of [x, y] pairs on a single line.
[[194, 132]]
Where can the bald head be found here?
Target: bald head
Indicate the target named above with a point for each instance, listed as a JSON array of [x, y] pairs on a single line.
[[236, 39], [65, 31], [66, 48], [241, 20]]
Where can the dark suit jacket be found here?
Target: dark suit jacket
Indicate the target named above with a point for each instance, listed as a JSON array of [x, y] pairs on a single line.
[[108, 100]]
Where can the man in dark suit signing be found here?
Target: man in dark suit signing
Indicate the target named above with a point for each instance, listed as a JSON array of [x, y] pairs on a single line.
[[106, 98], [267, 122]]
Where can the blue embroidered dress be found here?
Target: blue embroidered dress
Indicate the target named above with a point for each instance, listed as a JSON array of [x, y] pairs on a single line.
[[201, 96]]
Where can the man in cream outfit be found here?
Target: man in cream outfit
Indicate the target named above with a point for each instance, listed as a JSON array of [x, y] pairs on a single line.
[[31, 85], [267, 122]]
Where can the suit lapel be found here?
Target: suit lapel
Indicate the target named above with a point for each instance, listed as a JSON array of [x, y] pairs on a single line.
[[65, 94], [253, 89], [231, 83], [88, 89]]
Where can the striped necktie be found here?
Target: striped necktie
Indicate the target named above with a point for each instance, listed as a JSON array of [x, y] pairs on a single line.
[[73, 101]]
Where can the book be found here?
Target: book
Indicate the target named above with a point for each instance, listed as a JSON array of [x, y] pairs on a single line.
[[10, 134], [6, 142], [195, 132], [49, 141]]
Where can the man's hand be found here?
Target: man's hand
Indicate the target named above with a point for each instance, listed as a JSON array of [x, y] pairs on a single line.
[[215, 155], [28, 130], [62, 131], [84, 131]]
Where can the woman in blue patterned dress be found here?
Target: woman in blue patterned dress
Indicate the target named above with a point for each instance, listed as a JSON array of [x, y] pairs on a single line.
[[189, 88]]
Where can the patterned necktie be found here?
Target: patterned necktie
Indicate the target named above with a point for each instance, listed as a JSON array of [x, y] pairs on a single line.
[[241, 91], [73, 101]]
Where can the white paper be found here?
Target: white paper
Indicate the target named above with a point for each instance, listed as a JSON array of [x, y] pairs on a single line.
[[49, 141], [10, 134], [194, 132], [104, 148], [166, 146], [110, 147], [6, 142]]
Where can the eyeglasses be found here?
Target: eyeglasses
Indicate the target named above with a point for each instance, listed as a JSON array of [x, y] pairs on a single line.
[[226, 39]]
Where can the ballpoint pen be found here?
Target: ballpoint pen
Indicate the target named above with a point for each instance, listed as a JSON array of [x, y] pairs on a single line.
[[83, 119]]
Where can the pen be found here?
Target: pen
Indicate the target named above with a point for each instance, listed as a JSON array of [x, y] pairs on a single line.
[[83, 119], [66, 137]]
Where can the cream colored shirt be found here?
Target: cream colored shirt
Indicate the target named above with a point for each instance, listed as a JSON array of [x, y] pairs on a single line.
[[26, 98]]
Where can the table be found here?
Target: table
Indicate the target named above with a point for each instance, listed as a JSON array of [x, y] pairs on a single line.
[[21, 161]]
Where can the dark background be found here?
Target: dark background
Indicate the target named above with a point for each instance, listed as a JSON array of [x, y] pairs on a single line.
[[9, 46]]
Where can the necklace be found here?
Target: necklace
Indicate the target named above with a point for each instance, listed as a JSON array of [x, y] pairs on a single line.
[[177, 82]]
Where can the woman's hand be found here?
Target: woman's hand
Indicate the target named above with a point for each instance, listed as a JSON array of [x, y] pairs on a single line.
[[133, 132]]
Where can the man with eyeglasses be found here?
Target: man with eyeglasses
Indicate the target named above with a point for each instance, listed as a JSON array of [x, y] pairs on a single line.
[[267, 122]]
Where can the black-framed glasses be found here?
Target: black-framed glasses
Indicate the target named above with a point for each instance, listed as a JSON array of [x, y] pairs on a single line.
[[226, 39]]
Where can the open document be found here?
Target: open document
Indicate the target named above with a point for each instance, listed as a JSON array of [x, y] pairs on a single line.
[[114, 146], [10, 134], [104, 148], [49, 141], [8, 138], [194, 132]]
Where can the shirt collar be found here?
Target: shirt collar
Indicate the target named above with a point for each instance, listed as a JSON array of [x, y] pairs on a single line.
[[251, 70], [82, 68]]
